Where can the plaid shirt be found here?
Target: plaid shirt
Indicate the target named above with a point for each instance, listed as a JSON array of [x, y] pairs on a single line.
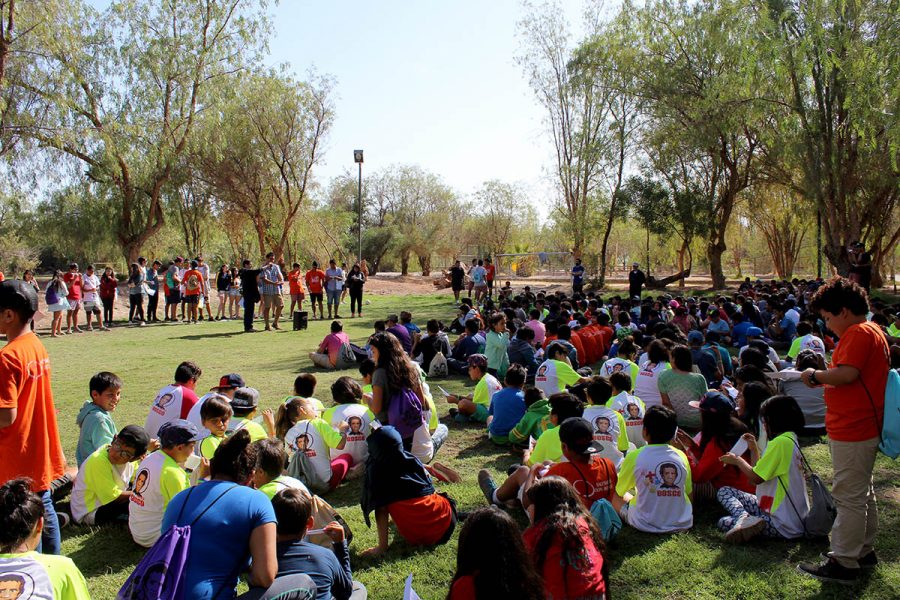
[[273, 273]]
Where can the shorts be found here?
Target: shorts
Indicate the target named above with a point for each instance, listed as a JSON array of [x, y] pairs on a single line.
[[334, 297], [191, 299], [296, 297], [174, 297], [480, 415], [456, 287], [221, 295], [61, 306], [316, 297], [480, 286], [270, 300], [235, 293], [74, 304], [92, 307], [623, 512]]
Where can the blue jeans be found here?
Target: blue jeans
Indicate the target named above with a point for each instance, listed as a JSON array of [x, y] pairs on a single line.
[[334, 297], [50, 539]]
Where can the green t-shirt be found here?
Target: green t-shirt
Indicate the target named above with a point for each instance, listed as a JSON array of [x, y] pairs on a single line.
[[780, 469], [99, 482], [30, 575], [486, 387], [280, 483], [210, 443], [548, 447], [256, 431]]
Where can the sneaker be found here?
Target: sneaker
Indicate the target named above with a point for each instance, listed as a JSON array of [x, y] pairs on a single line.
[[746, 528], [869, 561], [453, 411], [830, 570], [64, 519], [487, 485]]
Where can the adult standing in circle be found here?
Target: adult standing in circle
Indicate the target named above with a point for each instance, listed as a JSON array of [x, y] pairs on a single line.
[[152, 285], [223, 284], [271, 281], [636, 281], [457, 279], [250, 292], [577, 277], [355, 282], [203, 268], [854, 413], [860, 265], [73, 283], [490, 271], [334, 285], [315, 283], [136, 278], [173, 296]]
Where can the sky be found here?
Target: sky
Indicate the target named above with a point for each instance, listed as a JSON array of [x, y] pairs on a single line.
[[423, 82]]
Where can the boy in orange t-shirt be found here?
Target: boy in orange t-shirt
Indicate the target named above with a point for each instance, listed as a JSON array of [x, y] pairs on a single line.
[[194, 288], [296, 285], [29, 437], [315, 281]]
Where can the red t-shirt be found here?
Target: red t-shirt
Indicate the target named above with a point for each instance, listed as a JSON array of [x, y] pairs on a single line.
[[30, 447], [594, 481], [463, 588], [188, 400], [708, 468], [422, 521], [490, 272], [193, 282], [73, 282], [315, 279], [850, 414], [576, 573]]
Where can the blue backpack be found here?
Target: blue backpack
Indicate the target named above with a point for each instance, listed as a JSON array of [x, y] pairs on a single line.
[[890, 432], [607, 518], [161, 573]]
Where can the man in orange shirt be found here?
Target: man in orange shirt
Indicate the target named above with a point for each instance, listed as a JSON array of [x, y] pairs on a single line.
[[315, 282], [854, 414], [29, 438], [296, 285], [489, 277], [194, 288]]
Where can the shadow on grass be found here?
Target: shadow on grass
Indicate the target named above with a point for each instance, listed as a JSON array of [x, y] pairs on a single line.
[[107, 549]]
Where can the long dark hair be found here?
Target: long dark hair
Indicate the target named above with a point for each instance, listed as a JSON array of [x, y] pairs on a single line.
[[491, 551], [235, 458], [721, 427], [558, 506], [401, 372], [754, 393], [20, 510]]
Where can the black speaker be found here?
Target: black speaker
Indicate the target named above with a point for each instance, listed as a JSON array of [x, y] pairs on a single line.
[[301, 319]]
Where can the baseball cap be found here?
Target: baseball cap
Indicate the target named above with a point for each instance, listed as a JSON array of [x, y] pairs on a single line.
[[177, 432], [578, 435], [713, 401], [478, 360], [17, 295], [230, 381], [674, 304], [754, 332], [713, 310], [245, 398], [695, 336]]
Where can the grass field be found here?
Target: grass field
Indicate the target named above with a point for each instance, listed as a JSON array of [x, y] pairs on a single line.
[[695, 564]]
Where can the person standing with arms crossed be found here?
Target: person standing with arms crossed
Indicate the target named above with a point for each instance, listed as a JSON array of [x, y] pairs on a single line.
[[577, 277], [854, 414], [271, 279], [315, 280], [334, 285], [29, 436]]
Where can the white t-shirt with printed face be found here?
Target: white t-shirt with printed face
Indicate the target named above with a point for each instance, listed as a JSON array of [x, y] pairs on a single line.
[[632, 410], [166, 407], [90, 288], [607, 431], [309, 437], [553, 376], [158, 480], [360, 418], [646, 386], [661, 476], [812, 342]]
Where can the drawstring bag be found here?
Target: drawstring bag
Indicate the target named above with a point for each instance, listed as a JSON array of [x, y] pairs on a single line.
[[822, 510]]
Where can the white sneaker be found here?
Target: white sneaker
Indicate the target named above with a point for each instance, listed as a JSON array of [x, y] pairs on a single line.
[[746, 528]]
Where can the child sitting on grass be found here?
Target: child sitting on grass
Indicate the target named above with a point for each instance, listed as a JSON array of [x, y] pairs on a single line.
[[366, 370], [780, 505], [630, 407], [305, 387], [563, 406], [507, 406], [101, 490], [398, 488], [565, 542], [608, 425], [491, 560], [475, 407], [215, 415], [660, 475], [536, 419], [270, 461], [310, 439], [245, 404], [349, 408], [96, 426]]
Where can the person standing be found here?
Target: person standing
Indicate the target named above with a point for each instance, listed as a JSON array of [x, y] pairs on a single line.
[[91, 289], [479, 281], [152, 287], [355, 282], [173, 283], [250, 292], [136, 294], [854, 413], [271, 280], [223, 283], [334, 285], [315, 281], [194, 291], [204, 272], [860, 265], [636, 281], [491, 271], [29, 436], [73, 282], [457, 279], [577, 277]]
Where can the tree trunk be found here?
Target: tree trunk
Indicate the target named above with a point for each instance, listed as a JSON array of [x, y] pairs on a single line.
[[404, 263], [425, 265], [658, 284], [714, 250]]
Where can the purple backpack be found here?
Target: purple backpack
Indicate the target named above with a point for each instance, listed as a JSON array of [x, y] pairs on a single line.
[[161, 573], [405, 412]]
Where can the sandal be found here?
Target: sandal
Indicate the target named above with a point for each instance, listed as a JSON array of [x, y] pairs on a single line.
[[451, 474]]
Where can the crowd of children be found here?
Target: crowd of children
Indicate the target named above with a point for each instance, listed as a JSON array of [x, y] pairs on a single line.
[[632, 423]]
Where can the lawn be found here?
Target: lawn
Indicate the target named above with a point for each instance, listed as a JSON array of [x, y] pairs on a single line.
[[696, 564]]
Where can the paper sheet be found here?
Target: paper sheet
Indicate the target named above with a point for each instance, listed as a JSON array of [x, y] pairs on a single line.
[[739, 448]]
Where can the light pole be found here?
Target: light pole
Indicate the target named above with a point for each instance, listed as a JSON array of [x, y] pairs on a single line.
[[358, 159]]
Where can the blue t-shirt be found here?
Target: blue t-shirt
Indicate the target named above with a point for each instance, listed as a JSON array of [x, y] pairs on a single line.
[[329, 570], [471, 344], [740, 333], [577, 274], [220, 540], [508, 408], [788, 329]]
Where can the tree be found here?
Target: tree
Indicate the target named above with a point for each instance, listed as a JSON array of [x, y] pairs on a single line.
[[259, 151], [834, 96], [576, 113], [124, 89], [497, 211], [775, 211]]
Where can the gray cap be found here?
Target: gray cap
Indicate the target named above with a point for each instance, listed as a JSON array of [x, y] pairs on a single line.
[[245, 399], [177, 432]]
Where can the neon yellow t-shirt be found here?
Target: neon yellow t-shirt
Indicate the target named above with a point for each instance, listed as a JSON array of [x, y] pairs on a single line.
[[780, 469], [280, 483], [367, 389], [41, 576], [893, 330], [256, 431], [99, 482], [210, 443], [548, 447], [486, 387]]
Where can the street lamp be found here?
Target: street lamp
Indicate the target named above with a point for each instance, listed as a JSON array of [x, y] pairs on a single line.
[[358, 159]]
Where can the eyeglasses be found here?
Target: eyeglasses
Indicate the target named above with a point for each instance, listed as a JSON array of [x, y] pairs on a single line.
[[126, 454]]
